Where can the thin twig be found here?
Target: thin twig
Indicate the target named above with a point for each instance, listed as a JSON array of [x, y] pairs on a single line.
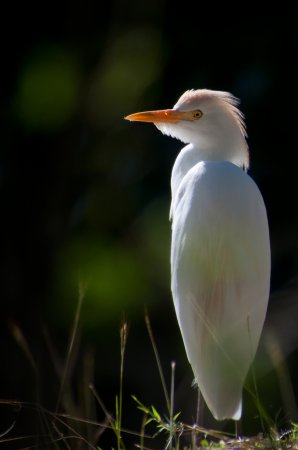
[[162, 378], [71, 344], [172, 401]]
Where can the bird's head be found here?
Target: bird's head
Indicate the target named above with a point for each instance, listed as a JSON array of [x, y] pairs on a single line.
[[210, 120]]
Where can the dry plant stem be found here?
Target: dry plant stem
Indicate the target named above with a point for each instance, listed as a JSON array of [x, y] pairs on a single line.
[[60, 434], [103, 425], [108, 417], [118, 423], [200, 409], [23, 344], [75, 434], [71, 344], [147, 321], [142, 434], [172, 402]]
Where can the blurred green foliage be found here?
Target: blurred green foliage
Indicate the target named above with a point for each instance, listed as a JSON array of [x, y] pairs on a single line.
[[47, 92], [112, 274], [123, 75]]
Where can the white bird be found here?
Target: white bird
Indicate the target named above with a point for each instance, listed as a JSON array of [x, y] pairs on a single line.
[[220, 253]]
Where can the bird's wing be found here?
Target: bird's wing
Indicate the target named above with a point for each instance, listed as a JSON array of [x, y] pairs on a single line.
[[220, 262]]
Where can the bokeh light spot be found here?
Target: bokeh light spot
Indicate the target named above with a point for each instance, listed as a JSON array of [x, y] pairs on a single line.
[[133, 62], [112, 274], [48, 89]]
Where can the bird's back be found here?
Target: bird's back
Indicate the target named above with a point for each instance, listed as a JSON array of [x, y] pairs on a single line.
[[220, 263]]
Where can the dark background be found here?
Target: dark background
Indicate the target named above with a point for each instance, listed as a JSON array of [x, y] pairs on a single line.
[[85, 196]]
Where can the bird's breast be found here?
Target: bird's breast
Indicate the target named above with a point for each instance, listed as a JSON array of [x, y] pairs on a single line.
[[220, 240]]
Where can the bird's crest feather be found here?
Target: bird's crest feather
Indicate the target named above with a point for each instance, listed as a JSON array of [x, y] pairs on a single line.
[[226, 99]]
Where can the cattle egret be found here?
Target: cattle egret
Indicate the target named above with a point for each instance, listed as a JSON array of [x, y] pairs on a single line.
[[220, 253]]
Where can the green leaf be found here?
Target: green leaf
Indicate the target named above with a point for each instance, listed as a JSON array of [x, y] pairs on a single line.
[[136, 400], [155, 413], [140, 406], [158, 432], [149, 420], [177, 415]]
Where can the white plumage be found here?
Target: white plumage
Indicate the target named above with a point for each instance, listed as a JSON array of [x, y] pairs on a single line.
[[220, 254]]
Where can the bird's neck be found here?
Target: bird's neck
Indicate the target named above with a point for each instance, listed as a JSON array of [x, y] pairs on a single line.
[[224, 141], [235, 152]]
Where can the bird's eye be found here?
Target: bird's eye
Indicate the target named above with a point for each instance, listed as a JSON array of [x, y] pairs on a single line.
[[197, 114]]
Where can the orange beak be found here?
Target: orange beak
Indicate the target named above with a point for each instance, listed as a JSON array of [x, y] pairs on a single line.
[[163, 115]]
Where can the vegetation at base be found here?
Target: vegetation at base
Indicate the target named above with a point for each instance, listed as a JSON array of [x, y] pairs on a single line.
[[74, 424]]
